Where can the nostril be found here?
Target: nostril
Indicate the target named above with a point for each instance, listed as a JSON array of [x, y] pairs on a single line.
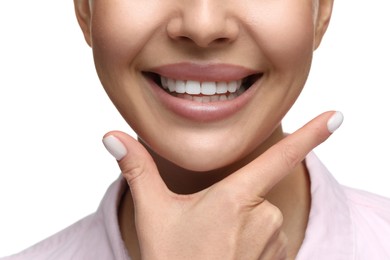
[[204, 42], [184, 39], [221, 40], [182, 31]]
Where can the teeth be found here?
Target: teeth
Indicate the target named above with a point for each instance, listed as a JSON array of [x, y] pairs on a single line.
[[205, 88], [171, 85], [207, 99], [180, 86], [222, 87], [203, 92], [223, 98], [192, 87], [214, 98], [164, 82], [233, 86], [198, 99], [208, 88]]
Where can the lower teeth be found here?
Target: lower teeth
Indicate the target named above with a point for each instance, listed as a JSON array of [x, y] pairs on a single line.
[[211, 98]]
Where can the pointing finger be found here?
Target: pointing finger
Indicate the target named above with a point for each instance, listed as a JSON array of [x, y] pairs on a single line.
[[262, 174]]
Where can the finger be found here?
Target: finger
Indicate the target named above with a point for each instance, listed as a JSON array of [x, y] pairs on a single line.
[[262, 174], [137, 167]]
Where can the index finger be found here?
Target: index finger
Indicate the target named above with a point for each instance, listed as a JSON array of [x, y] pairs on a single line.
[[263, 173]]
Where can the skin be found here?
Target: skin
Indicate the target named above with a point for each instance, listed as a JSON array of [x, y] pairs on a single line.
[[192, 157]]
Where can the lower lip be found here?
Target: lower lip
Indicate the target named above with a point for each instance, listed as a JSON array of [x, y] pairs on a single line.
[[203, 112]]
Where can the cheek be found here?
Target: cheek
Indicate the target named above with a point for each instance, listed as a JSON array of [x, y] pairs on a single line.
[[121, 28], [285, 32]]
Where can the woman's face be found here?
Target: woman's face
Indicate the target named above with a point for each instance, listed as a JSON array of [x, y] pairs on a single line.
[[203, 83]]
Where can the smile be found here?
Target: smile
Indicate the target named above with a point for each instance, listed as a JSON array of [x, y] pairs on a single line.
[[203, 93], [206, 91]]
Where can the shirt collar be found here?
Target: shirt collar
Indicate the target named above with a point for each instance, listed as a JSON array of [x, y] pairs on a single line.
[[329, 233], [108, 212]]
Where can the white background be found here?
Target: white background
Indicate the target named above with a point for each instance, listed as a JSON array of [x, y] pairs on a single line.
[[53, 112]]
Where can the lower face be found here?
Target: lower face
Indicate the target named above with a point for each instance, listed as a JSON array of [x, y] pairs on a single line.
[[203, 83]]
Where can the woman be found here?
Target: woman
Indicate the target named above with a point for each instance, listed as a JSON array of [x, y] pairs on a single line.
[[205, 85]]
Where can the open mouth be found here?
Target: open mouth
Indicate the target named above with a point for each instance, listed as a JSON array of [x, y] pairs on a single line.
[[204, 92]]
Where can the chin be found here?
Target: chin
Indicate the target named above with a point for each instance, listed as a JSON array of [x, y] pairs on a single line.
[[201, 166], [203, 160]]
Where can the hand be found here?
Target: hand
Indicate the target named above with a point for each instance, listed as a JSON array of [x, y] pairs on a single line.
[[229, 220]]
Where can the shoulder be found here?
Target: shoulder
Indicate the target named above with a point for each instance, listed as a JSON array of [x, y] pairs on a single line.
[[370, 216], [344, 223], [96, 236], [364, 201], [76, 240]]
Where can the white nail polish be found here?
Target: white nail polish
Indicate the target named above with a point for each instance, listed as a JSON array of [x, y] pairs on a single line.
[[115, 147], [335, 121]]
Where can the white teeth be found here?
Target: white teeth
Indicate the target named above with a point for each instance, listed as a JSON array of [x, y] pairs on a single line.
[[164, 82], [208, 88], [223, 98], [205, 88], [192, 87], [198, 99], [203, 92], [188, 97], [214, 98], [171, 85], [222, 87], [232, 86], [180, 86], [207, 99]]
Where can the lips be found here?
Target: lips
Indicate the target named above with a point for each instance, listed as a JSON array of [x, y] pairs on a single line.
[[203, 92]]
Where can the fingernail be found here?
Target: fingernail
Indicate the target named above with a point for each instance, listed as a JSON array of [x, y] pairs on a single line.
[[335, 121], [115, 147]]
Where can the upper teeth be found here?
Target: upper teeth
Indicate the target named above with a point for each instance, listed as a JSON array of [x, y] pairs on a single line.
[[193, 87]]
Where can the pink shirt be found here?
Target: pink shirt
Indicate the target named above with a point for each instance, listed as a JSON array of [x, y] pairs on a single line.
[[344, 224]]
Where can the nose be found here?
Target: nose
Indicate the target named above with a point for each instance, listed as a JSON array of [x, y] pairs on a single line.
[[206, 23]]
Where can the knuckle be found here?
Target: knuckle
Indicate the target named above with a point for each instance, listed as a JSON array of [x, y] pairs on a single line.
[[133, 171], [274, 217]]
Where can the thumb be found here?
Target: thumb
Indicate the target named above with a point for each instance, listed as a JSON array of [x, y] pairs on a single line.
[[137, 167]]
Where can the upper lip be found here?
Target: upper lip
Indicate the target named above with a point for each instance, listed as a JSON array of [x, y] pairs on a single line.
[[203, 72]]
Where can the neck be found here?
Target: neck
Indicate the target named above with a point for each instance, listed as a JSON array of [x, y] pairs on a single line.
[[291, 195]]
